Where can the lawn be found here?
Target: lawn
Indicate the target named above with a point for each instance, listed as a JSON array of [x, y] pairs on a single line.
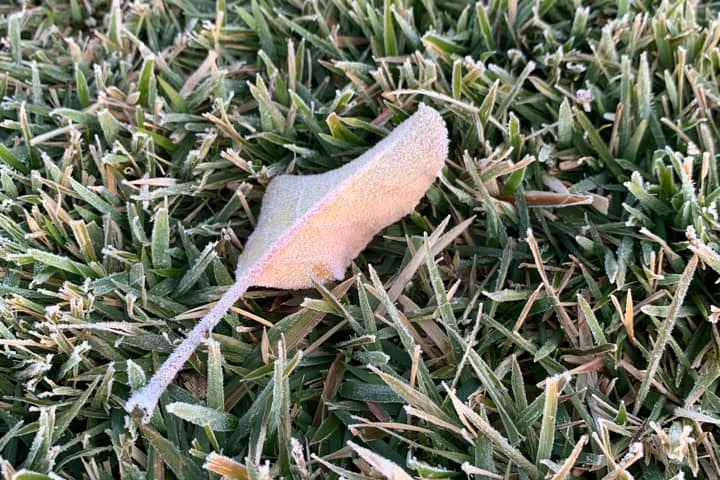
[[548, 310]]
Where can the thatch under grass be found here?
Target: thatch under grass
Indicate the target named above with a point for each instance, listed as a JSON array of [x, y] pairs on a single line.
[[549, 309]]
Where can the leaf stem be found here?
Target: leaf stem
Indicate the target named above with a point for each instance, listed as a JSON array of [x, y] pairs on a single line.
[[147, 397]]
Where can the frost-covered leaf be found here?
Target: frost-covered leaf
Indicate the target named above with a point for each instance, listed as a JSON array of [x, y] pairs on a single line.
[[203, 416], [311, 227]]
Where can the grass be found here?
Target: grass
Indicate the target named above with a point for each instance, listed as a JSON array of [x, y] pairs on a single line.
[[549, 310]]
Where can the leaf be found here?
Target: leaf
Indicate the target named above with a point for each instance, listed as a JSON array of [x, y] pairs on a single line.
[[388, 469], [198, 415], [311, 227], [225, 466]]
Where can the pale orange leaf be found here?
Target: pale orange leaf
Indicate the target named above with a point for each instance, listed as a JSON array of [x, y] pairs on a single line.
[[311, 227]]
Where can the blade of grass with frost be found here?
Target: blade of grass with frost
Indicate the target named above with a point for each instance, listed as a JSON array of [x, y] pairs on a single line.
[[311, 227]]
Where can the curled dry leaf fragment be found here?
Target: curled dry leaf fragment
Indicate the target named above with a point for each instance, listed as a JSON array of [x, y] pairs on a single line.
[[311, 227]]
